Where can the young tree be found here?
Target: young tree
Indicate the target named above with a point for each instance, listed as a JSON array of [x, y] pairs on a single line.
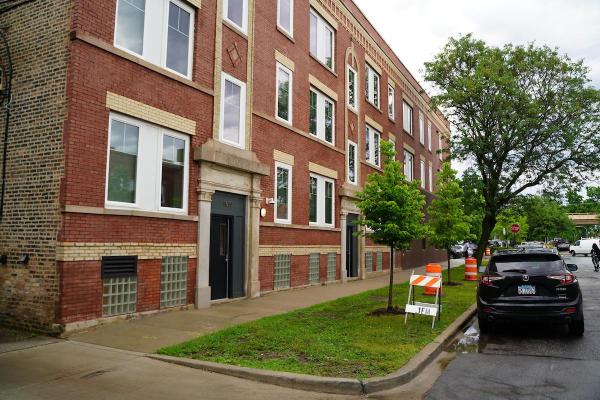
[[392, 209], [447, 221], [523, 114]]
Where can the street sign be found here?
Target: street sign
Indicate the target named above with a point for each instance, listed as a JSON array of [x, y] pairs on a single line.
[[427, 309], [515, 228]]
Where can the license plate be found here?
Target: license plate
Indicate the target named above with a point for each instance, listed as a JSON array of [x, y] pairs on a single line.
[[526, 289]]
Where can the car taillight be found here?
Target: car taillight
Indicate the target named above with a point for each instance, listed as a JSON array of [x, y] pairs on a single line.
[[488, 280], [565, 279]]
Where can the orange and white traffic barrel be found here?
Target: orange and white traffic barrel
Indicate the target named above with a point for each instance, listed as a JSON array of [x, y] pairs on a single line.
[[471, 269], [433, 270]]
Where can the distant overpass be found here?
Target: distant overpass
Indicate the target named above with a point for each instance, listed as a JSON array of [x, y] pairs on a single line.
[[584, 219]]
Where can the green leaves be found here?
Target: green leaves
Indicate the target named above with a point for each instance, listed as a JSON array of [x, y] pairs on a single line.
[[391, 206]]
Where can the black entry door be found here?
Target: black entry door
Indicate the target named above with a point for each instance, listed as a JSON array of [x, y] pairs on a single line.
[[220, 256], [351, 246]]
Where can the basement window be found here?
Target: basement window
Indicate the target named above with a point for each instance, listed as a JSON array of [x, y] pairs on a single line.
[[119, 281]]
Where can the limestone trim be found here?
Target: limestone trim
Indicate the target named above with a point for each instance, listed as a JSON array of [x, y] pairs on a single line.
[[408, 101], [297, 250], [409, 148], [130, 213], [109, 48], [283, 157], [392, 137], [373, 123], [322, 87], [75, 251], [363, 38], [195, 3], [230, 157], [316, 5], [285, 61], [321, 170], [373, 65], [377, 248], [148, 113]]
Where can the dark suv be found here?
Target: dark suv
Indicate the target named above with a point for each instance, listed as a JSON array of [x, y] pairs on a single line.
[[532, 285]]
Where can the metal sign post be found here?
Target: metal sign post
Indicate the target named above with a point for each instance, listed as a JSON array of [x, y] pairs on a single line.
[[414, 307]]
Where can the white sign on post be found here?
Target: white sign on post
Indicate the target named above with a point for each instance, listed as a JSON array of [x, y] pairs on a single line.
[[428, 309]]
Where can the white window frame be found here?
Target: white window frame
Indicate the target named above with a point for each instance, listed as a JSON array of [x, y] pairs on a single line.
[[148, 167], [407, 118], [430, 176], [288, 167], [320, 55], [391, 102], [429, 135], [354, 106], [421, 128], [370, 93], [351, 144], [322, 99], [321, 201], [244, 27], [290, 93], [440, 147], [226, 77], [158, 55], [412, 165], [423, 173], [373, 133], [291, 31]]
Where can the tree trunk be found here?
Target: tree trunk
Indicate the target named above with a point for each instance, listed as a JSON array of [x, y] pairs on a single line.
[[487, 226], [448, 254], [390, 305]]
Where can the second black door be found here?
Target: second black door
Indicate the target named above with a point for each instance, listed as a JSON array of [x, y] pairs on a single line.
[[351, 246], [220, 256]]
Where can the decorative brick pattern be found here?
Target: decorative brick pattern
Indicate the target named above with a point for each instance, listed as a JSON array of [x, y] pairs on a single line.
[[144, 251], [270, 251]]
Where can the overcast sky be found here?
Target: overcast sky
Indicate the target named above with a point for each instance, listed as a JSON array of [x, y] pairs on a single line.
[[418, 29]]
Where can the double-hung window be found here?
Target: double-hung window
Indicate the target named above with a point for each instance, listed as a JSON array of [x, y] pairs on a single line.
[[283, 193], [391, 103], [321, 200], [159, 31], [409, 165], [440, 148], [422, 170], [372, 80], [352, 170], [352, 89], [372, 144], [285, 16], [147, 166], [236, 13], [321, 39], [421, 128], [322, 116], [429, 135], [284, 94], [430, 176], [233, 111], [407, 118]]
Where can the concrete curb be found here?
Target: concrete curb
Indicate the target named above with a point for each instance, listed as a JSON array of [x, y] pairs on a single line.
[[345, 386]]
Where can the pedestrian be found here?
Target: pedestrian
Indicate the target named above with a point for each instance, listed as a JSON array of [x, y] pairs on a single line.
[[596, 256]]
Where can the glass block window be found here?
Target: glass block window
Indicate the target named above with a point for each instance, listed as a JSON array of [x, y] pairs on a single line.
[[119, 295], [173, 282], [281, 276], [331, 266], [379, 261], [369, 262], [314, 265]]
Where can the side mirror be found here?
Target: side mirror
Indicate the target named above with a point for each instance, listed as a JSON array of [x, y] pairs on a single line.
[[481, 269], [572, 267]]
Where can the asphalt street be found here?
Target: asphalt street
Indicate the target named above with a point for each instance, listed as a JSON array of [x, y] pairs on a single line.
[[531, 362]]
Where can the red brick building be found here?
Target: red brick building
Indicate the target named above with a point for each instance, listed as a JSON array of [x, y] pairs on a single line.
[[193, 151]]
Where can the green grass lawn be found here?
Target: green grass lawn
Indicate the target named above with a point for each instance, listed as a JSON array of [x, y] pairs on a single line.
[[335, 339]]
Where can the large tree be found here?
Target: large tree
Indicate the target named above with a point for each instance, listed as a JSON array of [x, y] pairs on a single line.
[[522, 114], [392, 209], [547, 219], [447, 221], [473, 202]]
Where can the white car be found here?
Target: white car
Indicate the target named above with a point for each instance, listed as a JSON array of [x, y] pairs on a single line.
[[583, 246]]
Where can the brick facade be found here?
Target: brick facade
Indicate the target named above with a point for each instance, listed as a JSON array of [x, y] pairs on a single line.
[[63, 130]]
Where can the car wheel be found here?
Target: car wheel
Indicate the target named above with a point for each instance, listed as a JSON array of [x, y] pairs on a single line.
[[485, 326], [577, 327], [573, 254]]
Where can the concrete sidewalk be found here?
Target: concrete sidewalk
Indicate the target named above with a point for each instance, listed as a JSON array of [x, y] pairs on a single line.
[[150, 333]]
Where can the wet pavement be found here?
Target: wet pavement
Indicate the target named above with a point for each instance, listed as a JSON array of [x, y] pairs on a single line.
[[529, 361]]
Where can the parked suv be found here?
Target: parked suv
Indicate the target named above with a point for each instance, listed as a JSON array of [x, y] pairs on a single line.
[[531, 285]]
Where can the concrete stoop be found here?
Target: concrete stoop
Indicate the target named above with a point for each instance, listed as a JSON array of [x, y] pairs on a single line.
[[345, 386]]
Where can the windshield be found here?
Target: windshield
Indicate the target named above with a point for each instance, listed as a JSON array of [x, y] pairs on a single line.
[[527, 264]]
